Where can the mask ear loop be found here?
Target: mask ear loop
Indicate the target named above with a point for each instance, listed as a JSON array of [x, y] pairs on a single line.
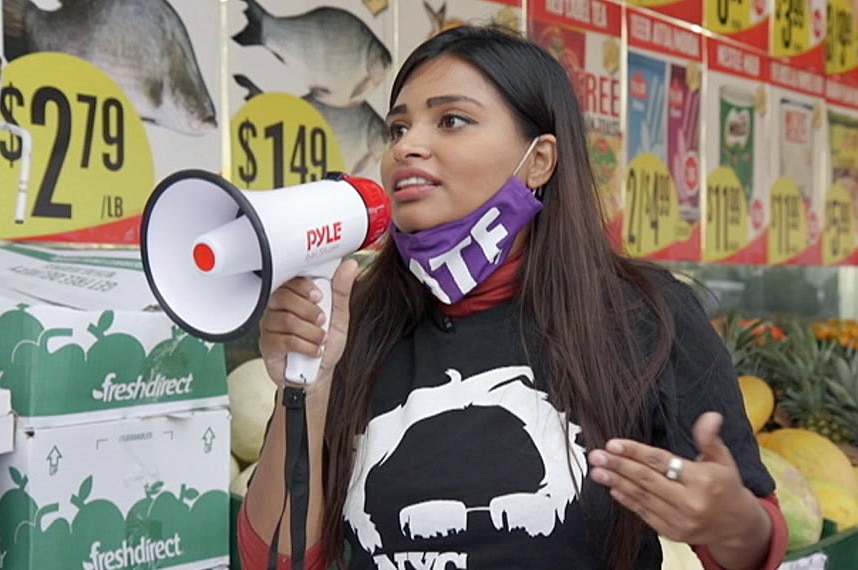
[[526, 154], [538, 192]]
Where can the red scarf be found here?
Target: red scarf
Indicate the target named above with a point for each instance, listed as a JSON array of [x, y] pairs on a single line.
[[500, 286]]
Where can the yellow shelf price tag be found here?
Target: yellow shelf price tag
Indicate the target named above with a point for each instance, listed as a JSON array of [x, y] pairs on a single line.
[[840, 50], [281, 140], [652, 220], [840, 234], [91, 167], [727, 215], [788, 232]]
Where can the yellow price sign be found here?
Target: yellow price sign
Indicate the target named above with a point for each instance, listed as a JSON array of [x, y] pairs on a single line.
[[840, 51], [788, 232], [797, 27], [727, 215], [652, 220], [91, 167], [840, 233], [281, 140], [730, 16]]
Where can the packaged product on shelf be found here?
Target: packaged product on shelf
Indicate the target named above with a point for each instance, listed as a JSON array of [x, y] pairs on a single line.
[[588, 44], [797, 193], [663, 176], [738, 123], [840, 227]]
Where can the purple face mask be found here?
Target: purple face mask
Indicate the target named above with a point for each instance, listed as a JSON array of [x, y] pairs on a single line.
[[453, 258]]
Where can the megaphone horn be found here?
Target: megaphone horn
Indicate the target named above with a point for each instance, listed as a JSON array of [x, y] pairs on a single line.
[[213, 254]]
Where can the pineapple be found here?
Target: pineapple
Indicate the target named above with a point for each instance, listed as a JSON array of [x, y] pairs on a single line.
[[741, 337], [816, 381]]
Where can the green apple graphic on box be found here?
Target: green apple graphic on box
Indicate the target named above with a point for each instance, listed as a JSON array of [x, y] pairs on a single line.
[[97, 363]]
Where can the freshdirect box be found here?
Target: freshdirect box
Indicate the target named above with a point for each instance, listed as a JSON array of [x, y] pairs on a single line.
[[126, 494], [81, 342], [7, 423]]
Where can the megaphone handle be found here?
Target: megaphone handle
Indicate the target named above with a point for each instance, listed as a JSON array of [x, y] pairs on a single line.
[[300, 368]]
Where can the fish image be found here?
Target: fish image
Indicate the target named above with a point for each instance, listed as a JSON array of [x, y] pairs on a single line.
[[438, 19], [142, 45], [361, 133], [342, 56], [245, 82]]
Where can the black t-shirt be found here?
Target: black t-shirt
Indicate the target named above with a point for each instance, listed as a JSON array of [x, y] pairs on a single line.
[[464, 464]]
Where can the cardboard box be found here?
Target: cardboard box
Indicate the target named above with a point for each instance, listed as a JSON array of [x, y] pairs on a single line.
[[87, 350], [134, 493], [7, 423]]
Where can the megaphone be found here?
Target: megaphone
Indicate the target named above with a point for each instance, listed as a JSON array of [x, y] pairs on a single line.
[[213, 254]]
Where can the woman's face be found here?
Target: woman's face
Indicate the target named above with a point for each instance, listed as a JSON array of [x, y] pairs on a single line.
[[454, 143]]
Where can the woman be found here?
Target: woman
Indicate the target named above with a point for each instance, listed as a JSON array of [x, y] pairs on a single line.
[[501, 389]]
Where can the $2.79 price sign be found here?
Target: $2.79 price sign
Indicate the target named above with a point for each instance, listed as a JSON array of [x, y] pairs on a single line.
[[280, 140], [90, 166]]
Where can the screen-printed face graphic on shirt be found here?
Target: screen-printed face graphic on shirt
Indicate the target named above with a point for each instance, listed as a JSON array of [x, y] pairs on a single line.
[[436, 450]]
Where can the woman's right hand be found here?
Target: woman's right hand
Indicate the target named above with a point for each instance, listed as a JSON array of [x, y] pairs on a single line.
[[292, 322]]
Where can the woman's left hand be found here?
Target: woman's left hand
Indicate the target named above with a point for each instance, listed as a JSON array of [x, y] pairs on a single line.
[[706, 503]]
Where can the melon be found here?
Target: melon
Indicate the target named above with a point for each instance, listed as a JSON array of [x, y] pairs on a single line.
[[251, 403], [816, 456], [798, 503], [838, 504], [234, 467], [759, 399], [239, 484], [678, 556]]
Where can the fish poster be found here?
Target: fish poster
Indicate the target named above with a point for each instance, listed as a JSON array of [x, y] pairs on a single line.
[[588, 44], [308, 86], [797, 194], [421, 19], [103, 100], [840, 226], [738, 118], [662, 203]]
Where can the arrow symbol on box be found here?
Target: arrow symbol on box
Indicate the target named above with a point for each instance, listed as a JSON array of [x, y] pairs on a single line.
[[208, 438], [53, 460]]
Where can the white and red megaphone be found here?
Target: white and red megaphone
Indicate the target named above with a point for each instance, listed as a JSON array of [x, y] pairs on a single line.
[[213, 254]]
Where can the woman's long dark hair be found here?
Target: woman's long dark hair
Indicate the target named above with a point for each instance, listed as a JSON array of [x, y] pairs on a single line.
[[574, 289]]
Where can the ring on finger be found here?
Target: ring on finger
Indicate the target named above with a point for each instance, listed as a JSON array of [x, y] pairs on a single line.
[[674, 468]]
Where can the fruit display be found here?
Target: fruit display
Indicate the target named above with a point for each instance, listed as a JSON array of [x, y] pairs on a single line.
[[251, 401], [797, 500], [799, 383]]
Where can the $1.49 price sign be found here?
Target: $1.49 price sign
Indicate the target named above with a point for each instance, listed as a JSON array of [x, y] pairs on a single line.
[[652, 220], [91, 165], [281, 140]]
